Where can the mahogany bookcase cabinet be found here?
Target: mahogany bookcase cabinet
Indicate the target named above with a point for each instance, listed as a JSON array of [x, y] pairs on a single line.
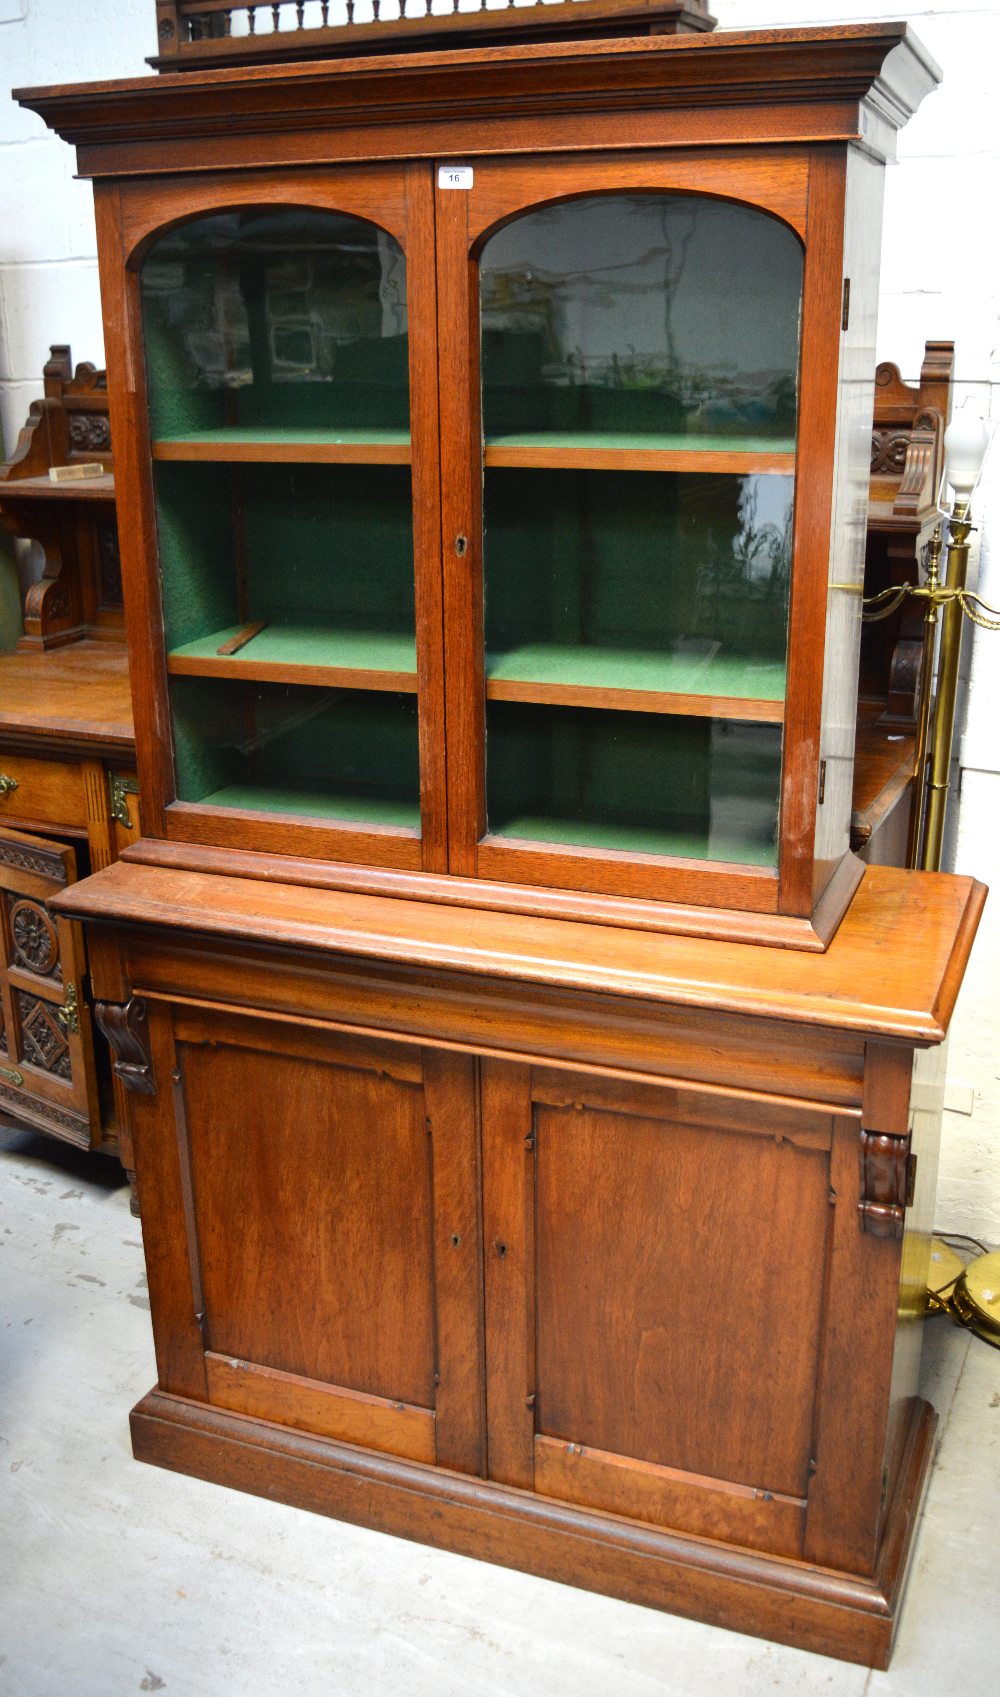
[[493, 440]]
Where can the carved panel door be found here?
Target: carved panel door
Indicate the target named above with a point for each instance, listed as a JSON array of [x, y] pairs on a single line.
[[47, 1073], [312, 1240], [665, 1279]]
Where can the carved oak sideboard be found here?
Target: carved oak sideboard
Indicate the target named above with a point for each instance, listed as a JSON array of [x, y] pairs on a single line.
[[68, 792], [906, 466]]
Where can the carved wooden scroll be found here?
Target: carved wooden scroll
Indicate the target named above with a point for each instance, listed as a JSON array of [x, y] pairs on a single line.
[[126, 1028]]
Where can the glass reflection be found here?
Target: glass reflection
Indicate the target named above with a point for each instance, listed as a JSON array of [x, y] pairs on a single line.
[[642, 315], [643, 783], [275, 316], [641, 580]]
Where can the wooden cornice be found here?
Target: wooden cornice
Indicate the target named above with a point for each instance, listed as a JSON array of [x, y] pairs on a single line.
[[851, 82]]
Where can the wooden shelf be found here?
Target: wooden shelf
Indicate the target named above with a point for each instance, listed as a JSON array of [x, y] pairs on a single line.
[[299, 447], [639, 682], [100, 488], [605, 834], [597, 451], [329, 805], [305, 654]]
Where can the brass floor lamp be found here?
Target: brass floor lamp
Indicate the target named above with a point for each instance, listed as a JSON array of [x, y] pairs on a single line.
[[969, 1293], [949, 603]]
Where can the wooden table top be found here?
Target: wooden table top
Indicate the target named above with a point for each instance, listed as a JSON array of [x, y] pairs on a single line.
[[77, 695], [892, 970], [883, 769]]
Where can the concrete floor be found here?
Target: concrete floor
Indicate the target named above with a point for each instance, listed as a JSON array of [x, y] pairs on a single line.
[[119, 1578]]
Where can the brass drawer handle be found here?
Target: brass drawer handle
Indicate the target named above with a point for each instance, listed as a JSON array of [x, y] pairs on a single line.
[[12, 1074], [6, 784], [68, 1014]]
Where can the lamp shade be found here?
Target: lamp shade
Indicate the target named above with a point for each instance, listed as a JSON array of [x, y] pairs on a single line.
[[965, 443]]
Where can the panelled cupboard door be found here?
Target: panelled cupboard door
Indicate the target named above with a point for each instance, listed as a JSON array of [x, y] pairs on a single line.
[[281, 533], [658, 1277], [47, 1073], [324, 1187], [634, 455]]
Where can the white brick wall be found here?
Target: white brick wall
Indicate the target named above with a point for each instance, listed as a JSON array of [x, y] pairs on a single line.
[[48, 266], [941, 278]]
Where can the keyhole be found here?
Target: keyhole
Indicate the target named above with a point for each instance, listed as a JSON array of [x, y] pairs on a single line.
[[461, 544]]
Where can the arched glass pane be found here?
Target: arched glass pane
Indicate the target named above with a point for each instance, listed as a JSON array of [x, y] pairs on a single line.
[[277, 374], [639, 387], [275, 317], [642, 315]]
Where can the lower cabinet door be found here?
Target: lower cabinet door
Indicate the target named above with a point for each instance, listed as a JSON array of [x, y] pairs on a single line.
[[311, 1228], [47, 1072], [657, 1265]]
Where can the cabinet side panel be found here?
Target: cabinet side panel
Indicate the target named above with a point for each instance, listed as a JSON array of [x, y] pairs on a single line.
[[846, 1493], [160, 1154], [862, 225], [925, 1116]]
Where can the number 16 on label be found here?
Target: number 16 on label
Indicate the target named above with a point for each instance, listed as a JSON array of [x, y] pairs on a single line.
[[454, 176]]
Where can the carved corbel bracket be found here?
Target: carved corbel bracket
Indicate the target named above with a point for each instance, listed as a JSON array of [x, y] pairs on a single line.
[[126, 1028], [888, 1173], [52, 604], [921, 473]]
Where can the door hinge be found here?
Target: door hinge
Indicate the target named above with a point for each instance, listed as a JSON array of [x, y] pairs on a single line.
[[888, 1177], [69, 1014], [845, 316], [822, 784], [119, 790]]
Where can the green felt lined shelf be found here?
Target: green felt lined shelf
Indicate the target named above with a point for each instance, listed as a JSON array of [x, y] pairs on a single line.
[[350, 809], [635, 839], [730, 686], [307, 654], [354, 447], [618, 451]]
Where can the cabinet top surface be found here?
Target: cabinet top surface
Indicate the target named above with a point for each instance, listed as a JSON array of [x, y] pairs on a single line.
[[77, 694], [892, 970], [845, 63]]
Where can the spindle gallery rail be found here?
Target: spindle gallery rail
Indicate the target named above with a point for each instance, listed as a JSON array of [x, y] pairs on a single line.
[[197, 34]]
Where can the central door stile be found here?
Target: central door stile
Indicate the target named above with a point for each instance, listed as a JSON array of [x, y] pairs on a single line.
[[461, 526], [426, 452], [450, 1104], [509, 1261]]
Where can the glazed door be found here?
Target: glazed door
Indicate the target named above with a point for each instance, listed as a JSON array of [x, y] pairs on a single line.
[[281, 535], [663, 1270], [47, 1074], [311, 1234], [623, 400]]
